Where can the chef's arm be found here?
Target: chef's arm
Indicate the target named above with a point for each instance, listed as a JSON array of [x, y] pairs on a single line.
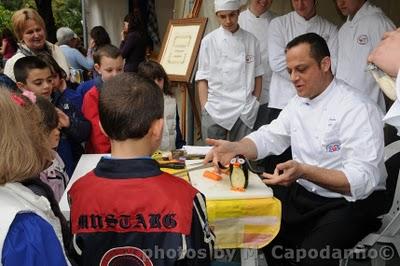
[[202, 86], [257, 87], [331, 179]]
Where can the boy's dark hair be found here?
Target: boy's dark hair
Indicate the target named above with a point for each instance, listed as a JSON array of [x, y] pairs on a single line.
[[49, 114], [128, 105], [153, 70], [52, 64], [107, 50], [25, 64], [318, 47]]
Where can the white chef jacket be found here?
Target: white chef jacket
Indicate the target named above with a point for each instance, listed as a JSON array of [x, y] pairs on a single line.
[[258, 26], [357, 38], [282, 30], [230, 62], [339, 129]]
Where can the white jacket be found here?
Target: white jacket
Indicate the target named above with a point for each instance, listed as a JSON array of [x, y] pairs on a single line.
[[357, 38], [230, 62], [55, 52], [258, 26], [16, 198], [169, 132], [282, 30], [343, 130]]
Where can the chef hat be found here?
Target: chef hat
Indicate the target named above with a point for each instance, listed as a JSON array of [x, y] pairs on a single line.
[[222, 5]]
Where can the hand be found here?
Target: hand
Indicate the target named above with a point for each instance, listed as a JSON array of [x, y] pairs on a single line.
[[63, 85], [387, 54], [223, 151], [285, 173], [63, 119]]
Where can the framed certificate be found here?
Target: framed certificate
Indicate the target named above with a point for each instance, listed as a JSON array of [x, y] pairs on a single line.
[[180, 47]]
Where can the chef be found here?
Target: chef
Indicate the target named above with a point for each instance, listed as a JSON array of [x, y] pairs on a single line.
[[333, 188], [282, 29], [256, 19], [362, 31], [229, 76]]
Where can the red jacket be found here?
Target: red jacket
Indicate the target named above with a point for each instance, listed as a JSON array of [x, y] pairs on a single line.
[[98, 142], [127, 208]]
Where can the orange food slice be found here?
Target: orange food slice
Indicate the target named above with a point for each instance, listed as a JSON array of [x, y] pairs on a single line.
[[212, 175]]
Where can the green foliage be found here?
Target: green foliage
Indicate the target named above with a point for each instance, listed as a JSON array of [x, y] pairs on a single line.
[[5, 18], [67, 13]]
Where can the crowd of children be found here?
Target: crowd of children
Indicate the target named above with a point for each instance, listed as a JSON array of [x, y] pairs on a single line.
[[128, 115]]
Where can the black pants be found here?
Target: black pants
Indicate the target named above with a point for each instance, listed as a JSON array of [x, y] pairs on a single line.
[[315, 230]]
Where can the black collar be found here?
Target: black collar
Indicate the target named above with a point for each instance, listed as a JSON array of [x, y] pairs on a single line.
[[127, 168]]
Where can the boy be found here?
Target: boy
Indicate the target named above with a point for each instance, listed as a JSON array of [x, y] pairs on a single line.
[[229, 76], [108, 63], [33, 74], [126, 206]]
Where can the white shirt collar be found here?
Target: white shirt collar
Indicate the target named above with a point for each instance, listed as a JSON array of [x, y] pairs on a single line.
[[302, 20], [266, 14], [360, 13], [322, 97]]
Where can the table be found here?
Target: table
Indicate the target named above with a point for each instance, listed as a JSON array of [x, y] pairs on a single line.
[[248, 224]]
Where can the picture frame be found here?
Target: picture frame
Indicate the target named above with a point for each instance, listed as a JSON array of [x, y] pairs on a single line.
[[180, 47]]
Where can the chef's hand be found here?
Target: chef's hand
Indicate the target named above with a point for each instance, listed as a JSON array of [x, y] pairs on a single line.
[[387, 54], [285, 174], [223, 151]]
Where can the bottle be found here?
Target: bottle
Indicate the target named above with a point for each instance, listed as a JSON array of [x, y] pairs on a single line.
[[385, 82]]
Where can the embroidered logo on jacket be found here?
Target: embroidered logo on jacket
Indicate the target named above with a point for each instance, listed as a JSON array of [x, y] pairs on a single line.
[[249, 58], [127, 222], [362, 39], [333, 147], [123, 256]]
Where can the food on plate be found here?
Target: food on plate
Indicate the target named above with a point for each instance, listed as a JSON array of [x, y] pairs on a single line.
[[212, 175]]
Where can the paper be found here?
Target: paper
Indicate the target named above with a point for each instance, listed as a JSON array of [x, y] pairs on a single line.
[[198, 150]]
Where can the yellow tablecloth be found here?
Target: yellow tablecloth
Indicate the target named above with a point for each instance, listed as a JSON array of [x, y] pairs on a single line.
[[248, 223]]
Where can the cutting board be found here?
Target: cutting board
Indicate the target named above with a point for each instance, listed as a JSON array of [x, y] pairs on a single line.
[[221, 190]]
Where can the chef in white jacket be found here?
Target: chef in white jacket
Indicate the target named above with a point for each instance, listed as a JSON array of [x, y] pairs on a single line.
[[358, 36], [283, 29], [256, 19], [229, 76], [333, 189]]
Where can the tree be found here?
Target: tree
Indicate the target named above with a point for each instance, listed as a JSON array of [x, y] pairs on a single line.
[[45, 10]]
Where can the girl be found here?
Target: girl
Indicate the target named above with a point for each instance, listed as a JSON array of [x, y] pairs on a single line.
[[30, 232], [172, 136], [55, 175]]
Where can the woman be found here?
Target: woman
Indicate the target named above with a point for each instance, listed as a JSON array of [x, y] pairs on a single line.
[[30, 30], [133, 46], [98, 37], [8, 45], [30, 231]]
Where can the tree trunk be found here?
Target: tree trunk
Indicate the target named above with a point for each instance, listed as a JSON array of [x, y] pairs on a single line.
[[45, 10]]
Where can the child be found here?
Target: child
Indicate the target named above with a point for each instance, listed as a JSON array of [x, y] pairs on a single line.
[[55, 175], [32, 74], [126, 203], [69, 102], [172, 136], [108, 63], [30, 231]]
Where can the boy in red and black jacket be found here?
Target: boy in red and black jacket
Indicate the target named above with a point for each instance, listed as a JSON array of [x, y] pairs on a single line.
[[127, 210]]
